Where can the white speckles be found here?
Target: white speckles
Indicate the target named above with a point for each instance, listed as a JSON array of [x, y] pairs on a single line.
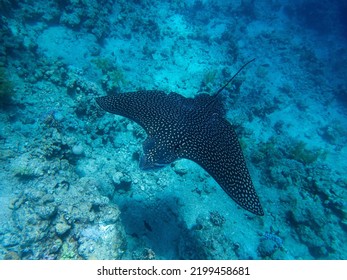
[[200, 134]]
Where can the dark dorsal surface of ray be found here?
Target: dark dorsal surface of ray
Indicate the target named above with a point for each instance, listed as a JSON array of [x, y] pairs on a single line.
[[192, 128]]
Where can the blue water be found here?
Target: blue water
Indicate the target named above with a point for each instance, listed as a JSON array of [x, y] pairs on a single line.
[[70, 182]]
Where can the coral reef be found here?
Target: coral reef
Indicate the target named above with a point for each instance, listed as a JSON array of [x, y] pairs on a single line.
[[206, 240], [113, 77], [57, 223], [70, 183], [300, 153]]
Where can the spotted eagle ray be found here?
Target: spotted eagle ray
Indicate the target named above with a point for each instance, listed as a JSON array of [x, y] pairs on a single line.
[[192, 128]]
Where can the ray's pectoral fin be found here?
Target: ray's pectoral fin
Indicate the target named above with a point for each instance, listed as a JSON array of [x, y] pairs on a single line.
[[156, 154], [221, 156]]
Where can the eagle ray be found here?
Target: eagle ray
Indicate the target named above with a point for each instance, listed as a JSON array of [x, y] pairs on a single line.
[[192, 128]]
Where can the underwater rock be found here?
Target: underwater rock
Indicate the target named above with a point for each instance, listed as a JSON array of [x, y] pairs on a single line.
[[45, 217], [122, 182], [314, 243], [145, 254], [267, 248], [269, 244], [288, 173], [46, 212], [333, 133], [10, 240], [257, 156], [109, 214], [11, 255], [206, 240], [308, 226], [62, 227], [78, 149], [278, 178], [188, 249], [71, 20], [80, 214], [99, 202], [102, 242], [56, 246], [27, 167], [217, 219], [68, 251], [180, 168]]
